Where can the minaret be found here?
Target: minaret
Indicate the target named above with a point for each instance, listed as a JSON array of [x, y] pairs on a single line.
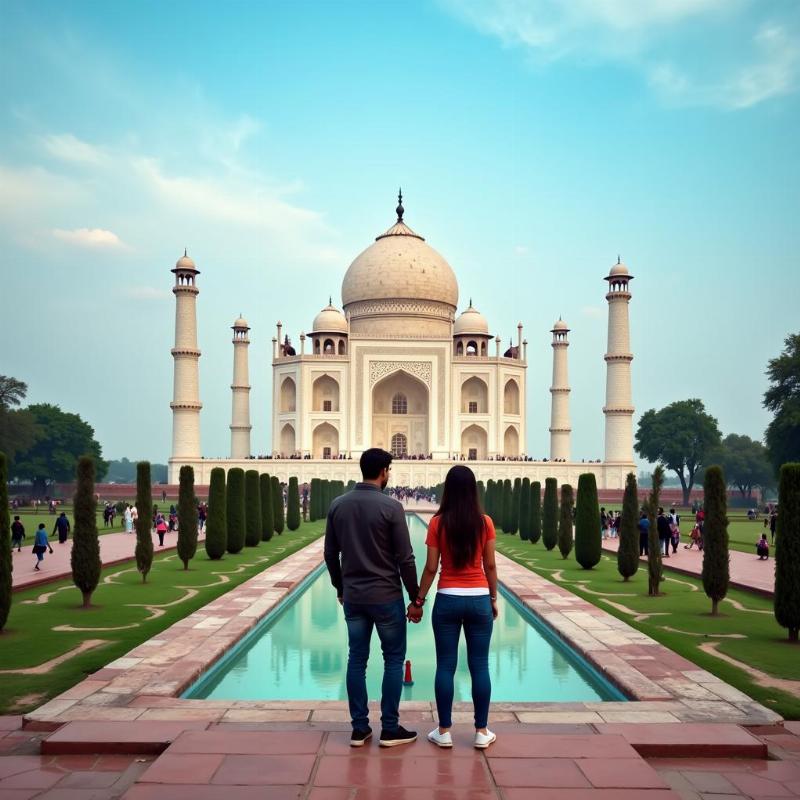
[[240, 412], [186, 403], [560, 429], [619, 405]]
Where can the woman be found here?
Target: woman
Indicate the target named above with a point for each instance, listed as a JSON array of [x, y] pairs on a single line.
[[40, 544], [161, 529], [462, 538], [128, 518]]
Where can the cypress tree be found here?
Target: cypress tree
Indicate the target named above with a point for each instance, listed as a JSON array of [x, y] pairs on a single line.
[[6, 564], [351, 484], [313, 514], [187, 516], [516, 493], [144, 523], [565, 540], [787, 551], [508, 505], [716, 572], [85, 556], [628, 551], [267, 513], [326, 498], [588, 538], [482, 496], [654, 562], [536, 512], [293, 502], [216, 541], [278, 513], [490, 499], [550, 514], [236, 513], [525, 510], [252, 508]]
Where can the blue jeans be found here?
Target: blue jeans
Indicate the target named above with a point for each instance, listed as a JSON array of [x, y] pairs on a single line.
[[389, 619], [474, 614]]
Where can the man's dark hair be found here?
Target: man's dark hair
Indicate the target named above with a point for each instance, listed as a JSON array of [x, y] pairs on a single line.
[[373, 462]]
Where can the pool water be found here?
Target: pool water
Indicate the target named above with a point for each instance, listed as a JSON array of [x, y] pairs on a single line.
[[299, 652]]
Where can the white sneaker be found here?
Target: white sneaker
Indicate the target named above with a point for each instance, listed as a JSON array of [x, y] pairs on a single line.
[[483, 740], [440, 739]]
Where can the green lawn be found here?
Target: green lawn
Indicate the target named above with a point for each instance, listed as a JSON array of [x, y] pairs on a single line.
[[684, 608], [125, 613]]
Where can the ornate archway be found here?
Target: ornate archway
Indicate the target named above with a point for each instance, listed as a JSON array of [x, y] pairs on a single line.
[[326, 441], [400, 405], [288, 445], [474, 443]]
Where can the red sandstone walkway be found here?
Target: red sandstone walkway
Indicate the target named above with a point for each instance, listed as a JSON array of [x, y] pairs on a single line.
[[114, 548], [747, 572]]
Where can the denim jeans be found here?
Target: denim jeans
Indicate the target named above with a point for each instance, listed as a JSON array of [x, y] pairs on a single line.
[[389, 619], [474, 614]]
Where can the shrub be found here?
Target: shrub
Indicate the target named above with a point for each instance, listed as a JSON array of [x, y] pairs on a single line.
[[187, 516], [550, 514], [313, 505], [536, 512], [351, 484], [787, 551], [588, 544], [489, 508], [482, 496], [277, 505], [6, 564], [325, 494], [525, 510], [293, 505], [654, 562], [628, 551], [252, 509], [508, 505], [513, 519], [144, 524], [267, 512], [565, 539], [716, 572], [85, 556], [234, 506], [216, 541]]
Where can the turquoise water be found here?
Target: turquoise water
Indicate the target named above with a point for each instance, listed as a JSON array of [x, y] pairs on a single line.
[[300, 653]]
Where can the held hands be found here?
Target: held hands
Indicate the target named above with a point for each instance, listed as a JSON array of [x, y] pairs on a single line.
[[413, 613]]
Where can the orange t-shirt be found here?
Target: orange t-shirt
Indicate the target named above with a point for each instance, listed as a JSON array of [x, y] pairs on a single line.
[[472, 575]]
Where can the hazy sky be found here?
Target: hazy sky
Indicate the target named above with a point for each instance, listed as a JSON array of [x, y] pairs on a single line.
[[534, 141]]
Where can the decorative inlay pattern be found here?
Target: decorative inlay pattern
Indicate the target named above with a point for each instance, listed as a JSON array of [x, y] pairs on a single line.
[[430, 308], [419, 369]]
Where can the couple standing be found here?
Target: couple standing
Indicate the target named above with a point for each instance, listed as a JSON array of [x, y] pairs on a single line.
[[368, 554]]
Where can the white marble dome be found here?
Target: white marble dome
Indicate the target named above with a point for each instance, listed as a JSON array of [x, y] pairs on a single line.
[[185, 262], [619, 269], [560, 325], [241, 322], [471, 322], [329, 320]]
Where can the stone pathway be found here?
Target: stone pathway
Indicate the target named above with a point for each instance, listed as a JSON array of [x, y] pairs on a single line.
[[747, 572], [114, 549]]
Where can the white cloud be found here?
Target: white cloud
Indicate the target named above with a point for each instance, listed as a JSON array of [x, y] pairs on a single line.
[[67, 147], [593, 312], [89, 237], [146, 293]]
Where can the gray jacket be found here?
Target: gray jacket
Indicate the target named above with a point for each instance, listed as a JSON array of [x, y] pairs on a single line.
[[368, 549]]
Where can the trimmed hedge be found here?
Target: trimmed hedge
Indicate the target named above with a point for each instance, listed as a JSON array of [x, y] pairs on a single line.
[[508, 505], [187, 516], [516, 491], [267, 513], [216, 541], [628, 550], [144, 523], [525, 510], [550, 514], [236, 513], [293, 505], [489, 507], [787, 551], [588, 537], [85, 556], [252, 509], [278, 512], [536, 513], [565, 540], [716, 560]]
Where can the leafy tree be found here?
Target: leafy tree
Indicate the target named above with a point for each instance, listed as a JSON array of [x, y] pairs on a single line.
[[628, 550], [267, 510], [216, 541], [12, 391], [654, 561], [550, 514], [18, 430], [588, 544], [293, 505], [716, 574], [787, 552], [85, 555], [252, 509], [187, 516], [235, 509], [6, 564], [525, 510], [565, 521], [680, 437], [144, 522], [63, 438], [277, 505], [745, 463], [124, 471], [783, 399], [536, 512]]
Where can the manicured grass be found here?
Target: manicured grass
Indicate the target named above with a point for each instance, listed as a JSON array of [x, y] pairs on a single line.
[[684, 608], [124, 613]]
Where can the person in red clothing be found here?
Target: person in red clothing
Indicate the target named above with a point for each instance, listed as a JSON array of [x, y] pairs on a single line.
[[461, 538]]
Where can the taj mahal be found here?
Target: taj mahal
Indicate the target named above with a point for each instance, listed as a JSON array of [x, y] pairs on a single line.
[[397, 367]]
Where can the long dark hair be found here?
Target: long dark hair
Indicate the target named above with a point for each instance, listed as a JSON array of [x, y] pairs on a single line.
[[460, 515]]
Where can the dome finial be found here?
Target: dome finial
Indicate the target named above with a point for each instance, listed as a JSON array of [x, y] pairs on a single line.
[[330, 299], [470, 302], [184, 252], [618, 259], [400, 210]]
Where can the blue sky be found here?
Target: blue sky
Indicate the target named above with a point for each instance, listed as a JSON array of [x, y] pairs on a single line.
[[534, 142]]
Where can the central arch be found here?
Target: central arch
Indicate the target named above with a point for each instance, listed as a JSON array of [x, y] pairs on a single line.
[[400, 405], [474, 443]]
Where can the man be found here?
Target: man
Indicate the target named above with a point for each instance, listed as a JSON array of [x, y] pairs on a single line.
[[61, 527], [644, 534], [17, 534], [368, 553], [664, 532]]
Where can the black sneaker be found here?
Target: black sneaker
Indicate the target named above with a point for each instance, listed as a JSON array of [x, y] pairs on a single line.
[[359, 738], [398, 736]]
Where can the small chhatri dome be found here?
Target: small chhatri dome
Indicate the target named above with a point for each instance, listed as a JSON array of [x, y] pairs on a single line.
[[184, 262], [471, 321], [560, 325], [329, 320], [619, 269], [241, 322]]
